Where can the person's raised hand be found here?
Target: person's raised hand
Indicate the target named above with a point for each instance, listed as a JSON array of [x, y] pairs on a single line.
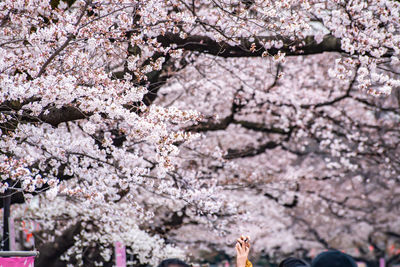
[[242, 250]]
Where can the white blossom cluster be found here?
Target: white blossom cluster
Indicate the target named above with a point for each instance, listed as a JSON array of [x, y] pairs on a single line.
[[335, 155]]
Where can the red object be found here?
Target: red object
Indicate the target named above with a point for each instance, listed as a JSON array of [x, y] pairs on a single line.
[[17, 262], [391, 248], [28, 236]]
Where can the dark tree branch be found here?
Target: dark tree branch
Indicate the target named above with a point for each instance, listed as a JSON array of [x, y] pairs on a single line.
[[65, 44], [314, 232], [55, 116], [337, 99], [393, 234], [250, 152], [205, 44], [289, 205], [260, 127], [211, 125], [56, 53], [246, 48]]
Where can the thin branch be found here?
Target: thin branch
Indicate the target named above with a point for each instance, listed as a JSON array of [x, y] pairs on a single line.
[[64, 45]]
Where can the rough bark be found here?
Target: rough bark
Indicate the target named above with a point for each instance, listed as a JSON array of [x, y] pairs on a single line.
[[254, 48]]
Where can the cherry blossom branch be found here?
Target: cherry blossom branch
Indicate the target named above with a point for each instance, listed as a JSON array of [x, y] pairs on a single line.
[[65, 44], [56, 53], [254, 48], [55, 116]]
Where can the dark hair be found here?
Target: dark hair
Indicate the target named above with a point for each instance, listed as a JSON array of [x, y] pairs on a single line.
[[333, 258], [293, 262], [177, 262]]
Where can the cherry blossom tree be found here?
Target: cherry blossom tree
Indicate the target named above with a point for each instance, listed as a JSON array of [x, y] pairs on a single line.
[[152, 122], [294, 162]]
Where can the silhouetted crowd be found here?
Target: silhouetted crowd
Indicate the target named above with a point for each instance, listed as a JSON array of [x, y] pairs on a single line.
[[330, 258]]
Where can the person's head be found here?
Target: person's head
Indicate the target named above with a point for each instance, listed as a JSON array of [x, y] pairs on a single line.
[[333, 258], [293, 262], [173, 263]]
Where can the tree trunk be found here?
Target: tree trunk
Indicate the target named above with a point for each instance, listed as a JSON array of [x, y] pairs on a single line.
[[50, 252]]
